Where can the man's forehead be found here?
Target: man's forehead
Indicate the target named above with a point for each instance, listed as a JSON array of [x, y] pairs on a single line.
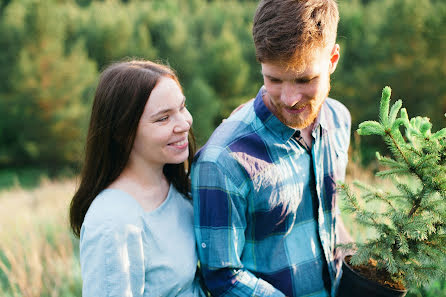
[[302, 63], [278, 69]]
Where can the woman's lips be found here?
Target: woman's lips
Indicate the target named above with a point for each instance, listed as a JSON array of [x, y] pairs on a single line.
[[180, 144]]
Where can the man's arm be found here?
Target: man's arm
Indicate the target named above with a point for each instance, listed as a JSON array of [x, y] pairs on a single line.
[[220, 222]]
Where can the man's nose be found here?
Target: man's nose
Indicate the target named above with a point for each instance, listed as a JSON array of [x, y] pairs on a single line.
[[291, 95]]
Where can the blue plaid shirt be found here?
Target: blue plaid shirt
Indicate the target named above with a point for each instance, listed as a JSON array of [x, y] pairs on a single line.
[[265, 208]]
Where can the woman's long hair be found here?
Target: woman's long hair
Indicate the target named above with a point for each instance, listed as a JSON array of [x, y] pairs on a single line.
[[120, 98]]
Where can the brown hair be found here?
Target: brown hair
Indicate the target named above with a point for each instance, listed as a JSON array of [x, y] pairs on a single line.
[[290, 31], [119, 102]]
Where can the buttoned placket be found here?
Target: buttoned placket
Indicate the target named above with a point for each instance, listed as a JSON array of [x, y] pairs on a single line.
[[315, 189], [322, 136]]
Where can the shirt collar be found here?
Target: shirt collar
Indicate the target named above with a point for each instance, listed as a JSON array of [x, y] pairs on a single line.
[[271, 122]]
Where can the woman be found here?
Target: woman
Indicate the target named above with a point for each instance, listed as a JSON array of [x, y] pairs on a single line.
[[132, 209]]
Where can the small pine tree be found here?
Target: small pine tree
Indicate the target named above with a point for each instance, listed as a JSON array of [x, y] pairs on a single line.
[[410, 241]]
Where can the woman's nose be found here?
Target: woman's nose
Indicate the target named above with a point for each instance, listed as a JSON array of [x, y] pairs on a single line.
[[184, 122]]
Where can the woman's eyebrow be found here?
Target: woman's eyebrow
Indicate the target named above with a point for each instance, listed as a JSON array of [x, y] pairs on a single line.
[[166, 110]]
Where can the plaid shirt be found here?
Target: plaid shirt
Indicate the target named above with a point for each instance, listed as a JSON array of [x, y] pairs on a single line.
[[265, 207]]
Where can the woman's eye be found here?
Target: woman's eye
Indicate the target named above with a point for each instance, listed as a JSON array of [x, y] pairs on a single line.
[[163, 119]]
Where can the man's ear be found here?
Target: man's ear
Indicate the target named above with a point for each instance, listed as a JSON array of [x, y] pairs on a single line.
[[334, 57]]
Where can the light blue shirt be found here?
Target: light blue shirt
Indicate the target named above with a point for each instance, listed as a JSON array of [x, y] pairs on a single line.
[[126, 251], [265, 207]]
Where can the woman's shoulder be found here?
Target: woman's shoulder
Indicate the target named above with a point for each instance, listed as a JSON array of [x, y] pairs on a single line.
[[180, 199], [113, 207]]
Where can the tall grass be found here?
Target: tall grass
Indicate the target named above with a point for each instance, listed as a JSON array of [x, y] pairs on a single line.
[[39, 256]]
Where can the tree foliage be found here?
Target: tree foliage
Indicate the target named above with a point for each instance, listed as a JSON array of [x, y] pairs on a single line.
[[42, 111], [52, 51], [410, 223], [397, 42]]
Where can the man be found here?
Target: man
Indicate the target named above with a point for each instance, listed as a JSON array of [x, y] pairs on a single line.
[[264, 184]]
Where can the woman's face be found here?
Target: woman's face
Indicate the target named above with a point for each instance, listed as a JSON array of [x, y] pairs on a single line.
[[162, 134]]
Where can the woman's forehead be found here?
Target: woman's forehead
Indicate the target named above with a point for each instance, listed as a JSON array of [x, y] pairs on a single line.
[[166, 95]]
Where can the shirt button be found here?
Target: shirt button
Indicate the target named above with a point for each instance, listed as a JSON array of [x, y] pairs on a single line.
[[203, 245]]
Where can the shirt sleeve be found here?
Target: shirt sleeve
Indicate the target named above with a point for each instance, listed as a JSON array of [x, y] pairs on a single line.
[[112, 260], [220, 221]]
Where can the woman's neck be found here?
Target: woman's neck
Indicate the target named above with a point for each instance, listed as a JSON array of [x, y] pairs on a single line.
[[147, 185]]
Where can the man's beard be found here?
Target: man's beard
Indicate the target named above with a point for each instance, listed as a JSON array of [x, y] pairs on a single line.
[[307, 117]]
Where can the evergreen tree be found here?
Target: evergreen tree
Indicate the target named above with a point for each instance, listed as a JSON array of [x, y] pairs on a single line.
[[410, 241], [209, 44], [397, 42], [43, 110]]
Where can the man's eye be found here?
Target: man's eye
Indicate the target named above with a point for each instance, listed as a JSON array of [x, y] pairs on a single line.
[[274, 80]]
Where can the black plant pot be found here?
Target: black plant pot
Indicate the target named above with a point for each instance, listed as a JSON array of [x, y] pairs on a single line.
[[353, 284]]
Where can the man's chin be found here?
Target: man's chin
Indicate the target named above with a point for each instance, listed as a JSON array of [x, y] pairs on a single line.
[[300, 123]]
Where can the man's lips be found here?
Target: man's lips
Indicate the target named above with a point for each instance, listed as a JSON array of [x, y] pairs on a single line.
[[296, 110]]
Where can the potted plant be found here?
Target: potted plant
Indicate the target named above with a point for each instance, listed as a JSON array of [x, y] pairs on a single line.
[[409, 248]]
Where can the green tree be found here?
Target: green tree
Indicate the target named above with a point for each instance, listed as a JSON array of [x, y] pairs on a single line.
[[210, 46], [410, 223], [396, 42], [203, 104], [43, 110]]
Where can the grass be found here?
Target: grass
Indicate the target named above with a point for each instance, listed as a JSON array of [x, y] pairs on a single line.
[[39, 256]]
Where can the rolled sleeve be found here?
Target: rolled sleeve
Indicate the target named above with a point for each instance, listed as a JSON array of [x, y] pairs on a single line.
[[220, 221]]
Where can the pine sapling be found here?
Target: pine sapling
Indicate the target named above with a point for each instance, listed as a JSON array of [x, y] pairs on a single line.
[[410, 224]]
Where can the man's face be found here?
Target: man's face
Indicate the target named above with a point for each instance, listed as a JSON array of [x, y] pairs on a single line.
[[296, 98]]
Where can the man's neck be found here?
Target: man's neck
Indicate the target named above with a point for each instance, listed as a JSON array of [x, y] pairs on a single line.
[[306, 135]]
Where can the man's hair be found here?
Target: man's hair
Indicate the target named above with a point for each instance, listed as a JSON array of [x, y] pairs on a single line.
[[290, 31]]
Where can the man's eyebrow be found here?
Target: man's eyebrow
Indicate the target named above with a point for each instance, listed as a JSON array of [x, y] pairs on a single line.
[[297, 78], [166, 110], [307, 77], [270, 76]]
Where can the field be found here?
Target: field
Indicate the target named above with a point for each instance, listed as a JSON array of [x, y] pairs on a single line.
[[39, 256]]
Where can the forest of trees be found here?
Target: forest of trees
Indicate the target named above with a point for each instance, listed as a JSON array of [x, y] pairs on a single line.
[[52, 51]]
